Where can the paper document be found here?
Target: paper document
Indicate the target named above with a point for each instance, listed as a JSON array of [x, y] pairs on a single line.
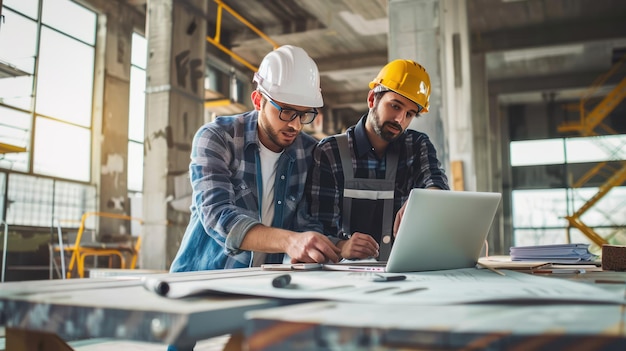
[[559, 253], [420, 288]]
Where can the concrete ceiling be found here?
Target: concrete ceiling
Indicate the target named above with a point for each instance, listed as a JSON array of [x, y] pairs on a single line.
[[532, 47]]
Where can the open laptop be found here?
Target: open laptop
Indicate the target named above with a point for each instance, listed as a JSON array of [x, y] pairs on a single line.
[[439, 230]]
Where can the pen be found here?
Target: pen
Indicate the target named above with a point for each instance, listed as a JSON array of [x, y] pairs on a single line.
[[559, 271], [388, 278], [281, 281], [342, 234], [156, 285]]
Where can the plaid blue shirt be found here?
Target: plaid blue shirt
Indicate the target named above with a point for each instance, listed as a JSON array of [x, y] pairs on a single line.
[[418, 167], [224, 172]]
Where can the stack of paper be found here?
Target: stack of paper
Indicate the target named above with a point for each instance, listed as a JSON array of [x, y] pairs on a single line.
[[560, 253]]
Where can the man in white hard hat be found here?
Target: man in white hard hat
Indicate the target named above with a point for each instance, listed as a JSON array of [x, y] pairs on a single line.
[[248, 174]]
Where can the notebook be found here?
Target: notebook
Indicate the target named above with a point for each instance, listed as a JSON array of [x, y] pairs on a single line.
[[439, 230]]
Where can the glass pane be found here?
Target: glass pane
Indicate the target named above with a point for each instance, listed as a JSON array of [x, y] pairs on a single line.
[[82, 25], [615, 235], [62, 150], [139, 51], [17, 92], [135, 166], [610, 210], [539, 208], [136, 210], [137, 104], [596, 149], [70, 101], [14, 127], [71, 200], [20, 34], [537, 152], [15, 130], [27, 7], [30, 200], [527, 237]]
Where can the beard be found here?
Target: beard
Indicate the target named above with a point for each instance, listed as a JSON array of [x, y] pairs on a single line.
[[274, 136], [388, 131]]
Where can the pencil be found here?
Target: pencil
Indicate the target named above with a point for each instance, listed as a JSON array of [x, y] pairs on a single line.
[[492, 269]]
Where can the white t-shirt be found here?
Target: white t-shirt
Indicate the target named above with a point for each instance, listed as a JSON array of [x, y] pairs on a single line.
[[269, 160]]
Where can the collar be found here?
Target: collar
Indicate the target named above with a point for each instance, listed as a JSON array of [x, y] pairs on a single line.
[[251, 130], [363, 145]]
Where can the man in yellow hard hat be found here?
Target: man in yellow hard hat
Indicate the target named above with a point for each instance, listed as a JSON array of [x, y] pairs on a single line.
[[248, 173], [360, 180]]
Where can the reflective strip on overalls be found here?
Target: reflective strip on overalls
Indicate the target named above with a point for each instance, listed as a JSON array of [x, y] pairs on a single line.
[[369, 189]]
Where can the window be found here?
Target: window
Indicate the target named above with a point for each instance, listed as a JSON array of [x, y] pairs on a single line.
[[35, 201], [539, 214], [61, 99], [137, 112], [46, 108], [66, 154], [65, 82]]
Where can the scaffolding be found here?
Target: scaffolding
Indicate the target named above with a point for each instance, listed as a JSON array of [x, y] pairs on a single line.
[[591, 123]]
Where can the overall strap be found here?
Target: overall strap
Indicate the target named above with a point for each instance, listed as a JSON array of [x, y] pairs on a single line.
[[371, 189]]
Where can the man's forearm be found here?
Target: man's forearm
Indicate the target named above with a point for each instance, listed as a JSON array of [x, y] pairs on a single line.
[[266, 239]]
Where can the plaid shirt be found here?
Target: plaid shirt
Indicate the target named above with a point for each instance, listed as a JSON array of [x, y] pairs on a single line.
[[224, 172], [418, 167]]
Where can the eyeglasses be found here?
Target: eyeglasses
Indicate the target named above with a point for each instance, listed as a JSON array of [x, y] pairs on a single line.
[[288, 114]]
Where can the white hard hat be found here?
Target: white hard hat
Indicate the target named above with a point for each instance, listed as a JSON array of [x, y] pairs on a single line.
[[290, 76]]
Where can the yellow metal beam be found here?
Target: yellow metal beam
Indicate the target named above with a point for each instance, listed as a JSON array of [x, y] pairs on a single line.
[[608, 104], [221, 4], [588, 232], [616, 180], [8, 148], [586, 127], [217, 103], [589, 121], [218, 25]]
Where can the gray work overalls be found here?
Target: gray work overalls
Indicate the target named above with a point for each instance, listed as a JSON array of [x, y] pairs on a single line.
[[367, 202]]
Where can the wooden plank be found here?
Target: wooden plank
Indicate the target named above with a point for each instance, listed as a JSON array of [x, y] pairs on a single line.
[[457, 175]]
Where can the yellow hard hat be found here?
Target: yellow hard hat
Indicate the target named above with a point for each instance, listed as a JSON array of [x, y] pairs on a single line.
[[407, 78]]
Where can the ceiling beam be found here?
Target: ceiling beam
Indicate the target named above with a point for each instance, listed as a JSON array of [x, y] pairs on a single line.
[[349, 98], [352, 61], [551, 34], [551, 82]]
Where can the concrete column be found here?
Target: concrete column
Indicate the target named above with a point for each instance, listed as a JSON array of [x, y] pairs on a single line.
[[115, 28], [414, 33], [435, 33], [176, 33]]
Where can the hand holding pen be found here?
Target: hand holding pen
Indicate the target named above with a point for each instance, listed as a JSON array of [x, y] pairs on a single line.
[[358, 246]]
